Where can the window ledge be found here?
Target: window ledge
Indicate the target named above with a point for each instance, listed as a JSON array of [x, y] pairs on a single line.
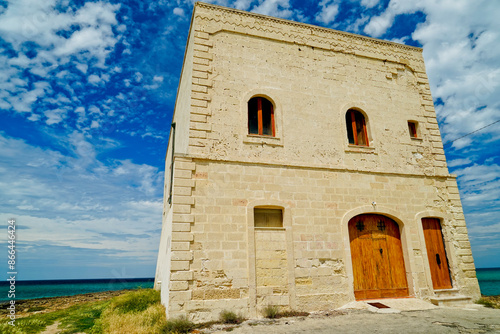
[[361, 149], [269, 228], [263, 140], [417, 139]]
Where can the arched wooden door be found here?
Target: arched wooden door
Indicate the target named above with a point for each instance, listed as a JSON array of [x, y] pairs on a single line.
[[377, 257]]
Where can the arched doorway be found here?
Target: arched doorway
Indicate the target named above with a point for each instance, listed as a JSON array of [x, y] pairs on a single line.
[[377, 257]]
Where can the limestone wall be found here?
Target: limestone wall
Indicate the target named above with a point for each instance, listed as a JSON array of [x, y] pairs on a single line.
[[225, 262], [313, 76]]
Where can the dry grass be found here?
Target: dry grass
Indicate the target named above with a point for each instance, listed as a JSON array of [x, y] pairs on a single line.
[[229, 317], [150, 321], [139, 312], [292, 313], [135, 312], [273, 312], [490, 301]]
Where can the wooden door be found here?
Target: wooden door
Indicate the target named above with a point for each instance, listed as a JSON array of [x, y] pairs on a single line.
[[377, 257], [438, 262]]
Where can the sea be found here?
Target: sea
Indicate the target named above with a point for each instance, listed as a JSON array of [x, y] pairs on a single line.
[[489, 282], [57, 288]]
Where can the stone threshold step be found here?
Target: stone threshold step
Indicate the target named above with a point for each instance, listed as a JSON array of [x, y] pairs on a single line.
[[450, 300]]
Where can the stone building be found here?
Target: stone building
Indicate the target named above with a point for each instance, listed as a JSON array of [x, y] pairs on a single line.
[[305, 169]]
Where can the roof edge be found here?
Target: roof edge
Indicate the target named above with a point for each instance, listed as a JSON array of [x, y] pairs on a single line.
[[310, 26]]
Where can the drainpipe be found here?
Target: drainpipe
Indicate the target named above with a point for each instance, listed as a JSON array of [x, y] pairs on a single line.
[[172, 164]]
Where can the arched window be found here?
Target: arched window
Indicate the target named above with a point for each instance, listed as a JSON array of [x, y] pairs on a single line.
[[261, 117], [356, 128]]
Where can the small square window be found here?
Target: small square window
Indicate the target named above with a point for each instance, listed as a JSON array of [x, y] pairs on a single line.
[[268, 217], [412, 128]]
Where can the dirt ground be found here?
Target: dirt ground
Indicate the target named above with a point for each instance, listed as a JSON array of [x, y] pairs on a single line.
[[438, 320]]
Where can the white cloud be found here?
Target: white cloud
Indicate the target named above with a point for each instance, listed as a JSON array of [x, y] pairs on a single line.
[[94, 110], [158, 78], [82, 67], [461, 43], [479, 174], [99, 40], [34, 117], [178, 11], [378, 25], [85, 204], [400, 40], [329, 11], [459, 162], [84, 34], [94, 79], [278, 8], [356, 25], [54, 116], [242, 4], [369, 3], [138, 76]]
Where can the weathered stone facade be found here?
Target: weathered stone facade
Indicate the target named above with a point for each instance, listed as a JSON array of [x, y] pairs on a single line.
[[211, 256]]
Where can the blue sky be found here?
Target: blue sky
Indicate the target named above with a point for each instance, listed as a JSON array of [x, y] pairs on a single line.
[[87, 90]]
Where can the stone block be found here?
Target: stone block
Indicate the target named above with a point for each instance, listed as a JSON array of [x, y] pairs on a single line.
[[181, 256], [183, 191], [183, 218], [198, 134], [178, 285], [179, 208], [182, 236], [179, 296], [179, 199], [181, 227], [200, 126], [181, 174], [179, 265], [202, 41], [201, 35], [199, 103], [179, 246], [203, 55], [198, 88], [198, 118]]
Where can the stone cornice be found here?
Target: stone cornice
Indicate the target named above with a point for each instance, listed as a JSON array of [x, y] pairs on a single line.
[[339, 169], [311, 32]]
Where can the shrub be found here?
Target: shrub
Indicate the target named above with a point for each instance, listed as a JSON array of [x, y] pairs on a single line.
[[180, 325], [271, 311], [485, 302], [292, 313], [229, 317]]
